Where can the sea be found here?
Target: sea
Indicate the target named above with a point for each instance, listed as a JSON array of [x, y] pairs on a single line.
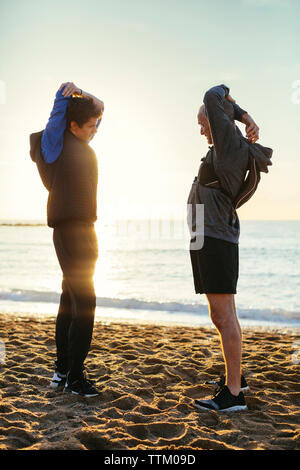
[[143, 273]]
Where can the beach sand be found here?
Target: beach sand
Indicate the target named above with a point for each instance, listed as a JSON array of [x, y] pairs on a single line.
[[149, 376]]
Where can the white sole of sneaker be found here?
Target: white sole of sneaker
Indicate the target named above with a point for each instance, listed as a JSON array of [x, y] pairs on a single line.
[[56, 385], [232, 409], [243, 389]]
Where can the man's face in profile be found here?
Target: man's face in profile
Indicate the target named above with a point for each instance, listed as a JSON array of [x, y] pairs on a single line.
[[204, 122], [87, 131], [204, 125]]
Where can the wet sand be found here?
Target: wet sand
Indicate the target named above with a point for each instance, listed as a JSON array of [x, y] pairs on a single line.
[[148, 376]]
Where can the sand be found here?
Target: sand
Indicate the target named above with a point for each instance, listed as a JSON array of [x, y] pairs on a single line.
[[149, 376]]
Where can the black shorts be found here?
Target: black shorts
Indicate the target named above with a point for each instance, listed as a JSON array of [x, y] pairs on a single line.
[[215, 267]]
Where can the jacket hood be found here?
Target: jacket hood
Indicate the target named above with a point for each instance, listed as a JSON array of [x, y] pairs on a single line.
[[35, 144], [262, 156]]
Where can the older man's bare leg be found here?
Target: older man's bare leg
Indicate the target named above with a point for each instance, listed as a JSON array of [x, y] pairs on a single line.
[[223, 314]]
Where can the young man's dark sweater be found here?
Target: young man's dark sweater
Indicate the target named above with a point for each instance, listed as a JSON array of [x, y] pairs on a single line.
[[71, 180], [71, 211]]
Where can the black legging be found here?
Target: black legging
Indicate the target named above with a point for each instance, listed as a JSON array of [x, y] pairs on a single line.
[[77, 251]]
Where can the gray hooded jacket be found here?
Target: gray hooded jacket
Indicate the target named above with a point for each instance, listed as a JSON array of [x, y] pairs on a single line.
[[230, 159]]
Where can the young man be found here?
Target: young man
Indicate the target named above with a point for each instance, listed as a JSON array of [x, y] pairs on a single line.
[[215, 265], [68, 169]]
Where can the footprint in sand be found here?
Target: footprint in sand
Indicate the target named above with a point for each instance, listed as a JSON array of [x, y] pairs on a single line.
[[163, 404], [125, 403], [157, 430]]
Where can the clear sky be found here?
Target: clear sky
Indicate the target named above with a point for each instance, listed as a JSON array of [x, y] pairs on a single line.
[[151, 63]]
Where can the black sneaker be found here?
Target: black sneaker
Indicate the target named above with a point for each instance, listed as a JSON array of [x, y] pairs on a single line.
[[82, 387], [223, 400], [221, 381], [58, 380]]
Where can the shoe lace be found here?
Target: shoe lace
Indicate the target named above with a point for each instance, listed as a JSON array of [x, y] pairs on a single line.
[[218, 391], [84, 379]]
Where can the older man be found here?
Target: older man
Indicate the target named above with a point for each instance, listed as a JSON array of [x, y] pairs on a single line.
[[215, 265]]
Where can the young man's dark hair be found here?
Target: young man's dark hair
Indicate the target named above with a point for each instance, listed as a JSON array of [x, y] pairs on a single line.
[[80, 110]]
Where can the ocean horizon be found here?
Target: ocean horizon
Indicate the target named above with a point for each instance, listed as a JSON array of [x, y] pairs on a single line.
[[143, 273]]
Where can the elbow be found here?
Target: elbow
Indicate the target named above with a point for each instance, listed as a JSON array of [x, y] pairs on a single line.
[[216, 93], [210, 100], [207, 97]]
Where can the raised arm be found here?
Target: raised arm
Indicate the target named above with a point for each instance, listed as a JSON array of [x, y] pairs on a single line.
[[68, 89], [53, 135], [223, 133], [225, 138], [252, 129], [238, 112], [52, 138], [231, 152]]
